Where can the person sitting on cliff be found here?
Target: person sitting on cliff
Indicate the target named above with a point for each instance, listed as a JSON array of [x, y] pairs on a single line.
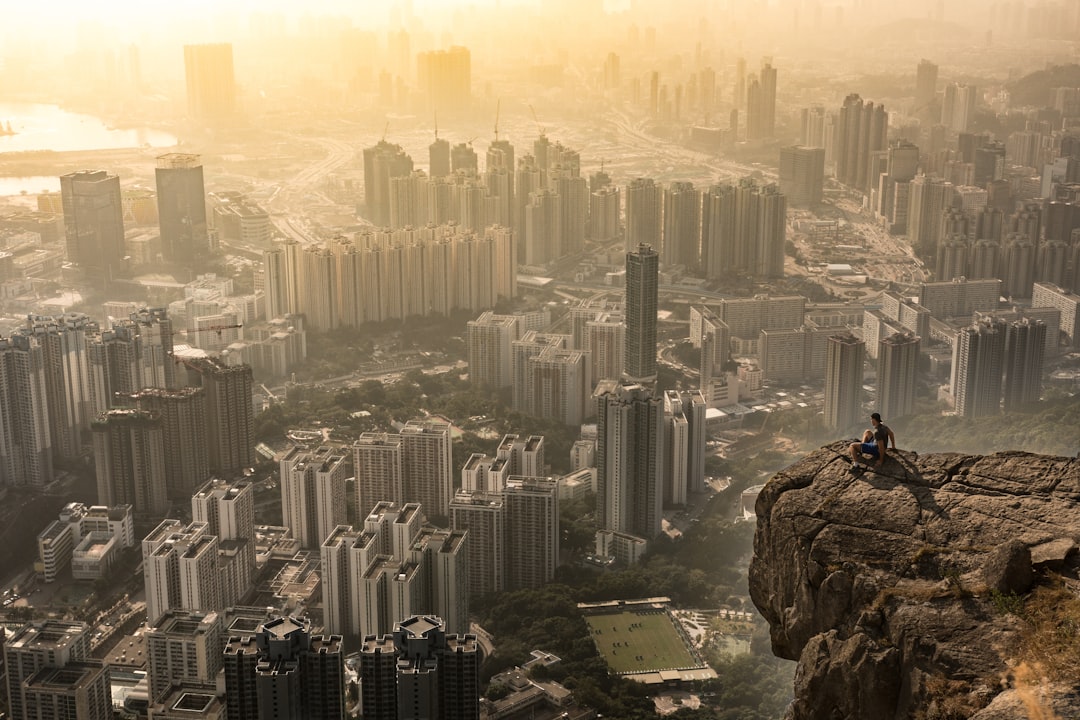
[[875, 443]]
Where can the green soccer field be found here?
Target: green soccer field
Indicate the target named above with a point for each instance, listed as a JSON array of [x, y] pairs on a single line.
[[633, 642]]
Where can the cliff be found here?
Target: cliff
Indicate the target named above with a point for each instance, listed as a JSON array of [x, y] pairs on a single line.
[[944, 586]]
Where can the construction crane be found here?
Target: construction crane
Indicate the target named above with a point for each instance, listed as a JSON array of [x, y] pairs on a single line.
[[498, 106], [216, 328], [386, 129], [539, 127], [436, 112]]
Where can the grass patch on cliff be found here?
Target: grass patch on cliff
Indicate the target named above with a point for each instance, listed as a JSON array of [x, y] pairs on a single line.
[[1053, 644]]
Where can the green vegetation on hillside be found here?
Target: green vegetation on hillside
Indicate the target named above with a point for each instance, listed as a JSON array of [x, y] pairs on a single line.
[[1048, 427], [1034, 89]]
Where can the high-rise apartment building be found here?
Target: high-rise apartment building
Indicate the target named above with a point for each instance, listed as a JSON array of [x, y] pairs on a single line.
[[183, 424], [439, 158], [629, 459], [93, 221], [925, 85], [284, 672], [898, 360], [862, 131], [129, 458], [181, 200], [682, 225], [977, 368], [50, 644], [489, 339], [959, 297], [929, 199], [747, 317], [802, 174], [642, 287], [420, 672], [313, 492], [228, 509], [229, 413], [605, 214], [180, 569], [1025, 346], [392, 568], [550, 379], [644, 213], [183, 647], [445, 79], [483, 515], [843, 381], [427, 469], [25, 442], [211, 82], [743, 230], [382, 162], [63, 341], [958, 106], [1048, 295], [79, 690], [532, 530], [684, 445], [378, 466]]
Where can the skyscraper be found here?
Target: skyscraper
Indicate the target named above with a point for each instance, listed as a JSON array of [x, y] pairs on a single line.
[[180, 569], [50, 644], [898, 359], [284, 672], [532, 531], [977, 366], [445, 79], [489, 339], [644, 213], [228, 509], [93, 220], [427, 469], [682, 225], [925, 88], [862, 130], [483, 514], [382, 162], [25, 444], [642, 286], [313, 493], [439, 158], [843, 381], [802, 174], [1025, 345], [129, 457], [181, 208], [420, 672], [77, 690], [378, 467], [229, 413], [629, 459], [63, 340], [183, 424], [211, 83], [183, 647]]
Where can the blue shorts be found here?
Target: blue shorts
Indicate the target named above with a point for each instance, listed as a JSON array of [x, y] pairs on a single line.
[[869, 449]]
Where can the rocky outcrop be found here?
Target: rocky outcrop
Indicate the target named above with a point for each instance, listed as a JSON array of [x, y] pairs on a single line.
[[900, 593]]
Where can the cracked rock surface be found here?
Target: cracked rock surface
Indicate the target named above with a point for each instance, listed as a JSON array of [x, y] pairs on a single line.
[[881, 586]]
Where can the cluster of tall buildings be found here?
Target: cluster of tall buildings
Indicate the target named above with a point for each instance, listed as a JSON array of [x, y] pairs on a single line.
[[384, 275], [62, 377], [207, 564], [392, 568], [412, 465], [51, 674], [94, 212], [997, 364], [727, 228], [510, 510]]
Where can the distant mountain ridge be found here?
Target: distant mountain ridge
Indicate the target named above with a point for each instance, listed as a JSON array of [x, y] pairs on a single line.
[[1034, 89]]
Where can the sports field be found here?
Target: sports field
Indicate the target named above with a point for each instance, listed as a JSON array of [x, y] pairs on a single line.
[[637, 642]]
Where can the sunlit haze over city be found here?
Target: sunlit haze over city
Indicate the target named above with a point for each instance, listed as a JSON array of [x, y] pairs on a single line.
[[540, 359]]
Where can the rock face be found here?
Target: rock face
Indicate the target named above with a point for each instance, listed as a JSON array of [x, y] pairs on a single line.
[[889, 588]]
